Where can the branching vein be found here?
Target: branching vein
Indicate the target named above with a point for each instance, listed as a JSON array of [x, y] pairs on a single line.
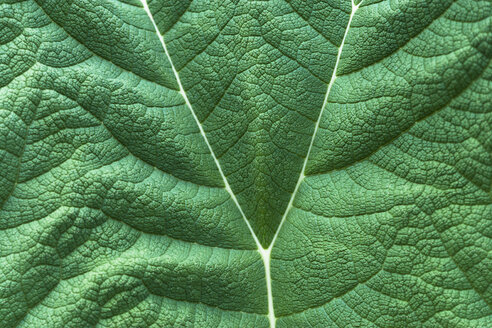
[[264, 252], [267, 252]]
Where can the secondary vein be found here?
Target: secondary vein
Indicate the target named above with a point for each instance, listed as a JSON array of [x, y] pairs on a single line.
[[200, 127], [266, 253], [325, 102]]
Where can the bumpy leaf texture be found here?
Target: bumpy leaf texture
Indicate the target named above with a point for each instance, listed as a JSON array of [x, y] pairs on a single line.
[[282, 163]]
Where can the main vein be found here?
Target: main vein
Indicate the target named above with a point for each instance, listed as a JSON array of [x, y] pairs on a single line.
[[265, 253]]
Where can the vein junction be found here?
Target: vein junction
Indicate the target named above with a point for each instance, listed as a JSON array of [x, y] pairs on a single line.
[[265, 253]]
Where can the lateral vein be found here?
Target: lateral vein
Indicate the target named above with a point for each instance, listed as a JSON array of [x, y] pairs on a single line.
[[325, 102], [200, 127], [266, 252]]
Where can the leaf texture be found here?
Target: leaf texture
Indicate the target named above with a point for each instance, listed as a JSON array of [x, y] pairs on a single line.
[[236, 163]]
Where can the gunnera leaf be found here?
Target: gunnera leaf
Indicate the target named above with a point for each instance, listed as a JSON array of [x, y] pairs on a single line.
[[236, 163]]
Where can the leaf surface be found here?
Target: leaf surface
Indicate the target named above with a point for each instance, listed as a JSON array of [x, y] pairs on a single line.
[[245, 163]]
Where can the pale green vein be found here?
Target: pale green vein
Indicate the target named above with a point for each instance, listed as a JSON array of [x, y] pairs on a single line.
[[264, 252], [198, 123]]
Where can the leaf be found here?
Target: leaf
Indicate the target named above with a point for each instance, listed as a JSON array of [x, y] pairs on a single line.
[[245, 163]]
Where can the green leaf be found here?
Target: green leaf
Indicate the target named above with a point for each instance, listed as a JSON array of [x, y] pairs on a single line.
[[282, 163]]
